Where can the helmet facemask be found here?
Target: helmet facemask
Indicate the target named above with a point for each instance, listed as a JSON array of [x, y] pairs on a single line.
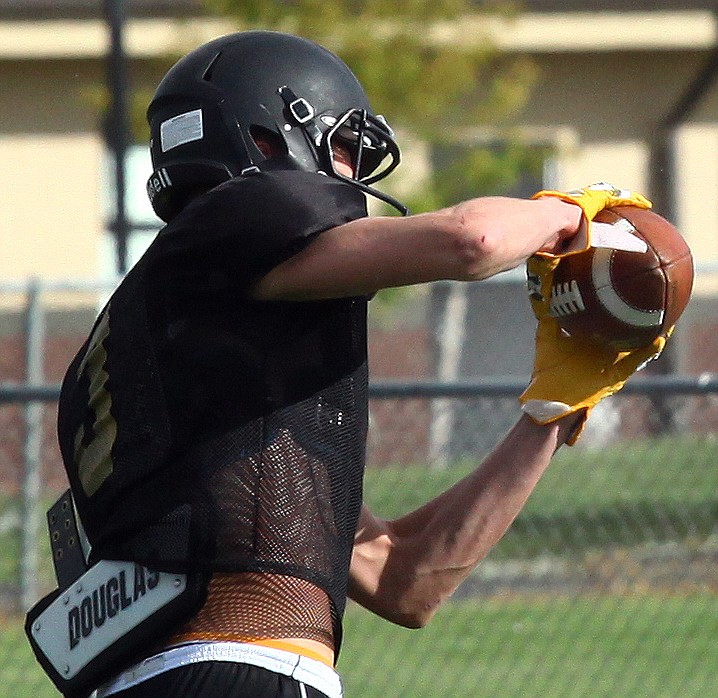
[[375, 153], [369, 138]]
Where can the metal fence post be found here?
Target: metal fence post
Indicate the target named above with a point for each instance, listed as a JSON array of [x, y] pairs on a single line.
[[32, 447], [451, 345]]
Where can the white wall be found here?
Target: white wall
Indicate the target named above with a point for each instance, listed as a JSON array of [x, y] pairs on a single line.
[[50, 189]]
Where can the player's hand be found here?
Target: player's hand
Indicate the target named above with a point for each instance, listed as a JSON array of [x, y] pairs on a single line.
[[592, 199], [572, 374]]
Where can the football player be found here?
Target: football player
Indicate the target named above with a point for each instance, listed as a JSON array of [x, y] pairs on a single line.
[[215, 421]]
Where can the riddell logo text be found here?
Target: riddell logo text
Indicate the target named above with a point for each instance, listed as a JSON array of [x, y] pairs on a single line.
[[107, 601]]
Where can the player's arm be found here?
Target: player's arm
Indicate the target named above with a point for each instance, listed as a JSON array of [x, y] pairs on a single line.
[[472, 240], [403, 570]]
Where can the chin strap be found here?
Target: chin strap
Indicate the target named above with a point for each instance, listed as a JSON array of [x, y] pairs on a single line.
[[371, 191]]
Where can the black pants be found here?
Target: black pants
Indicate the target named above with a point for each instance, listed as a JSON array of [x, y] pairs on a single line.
[[219, 680]]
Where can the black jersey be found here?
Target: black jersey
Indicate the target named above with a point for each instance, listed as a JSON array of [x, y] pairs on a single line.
[[201, 429]]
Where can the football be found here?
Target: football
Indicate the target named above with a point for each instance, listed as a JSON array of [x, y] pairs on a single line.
[[630, 286]]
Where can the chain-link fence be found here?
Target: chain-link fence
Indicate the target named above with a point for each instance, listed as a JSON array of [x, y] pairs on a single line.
[[605, 585]]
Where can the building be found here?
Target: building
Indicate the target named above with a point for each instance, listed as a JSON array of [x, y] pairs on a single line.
[[627, 93]]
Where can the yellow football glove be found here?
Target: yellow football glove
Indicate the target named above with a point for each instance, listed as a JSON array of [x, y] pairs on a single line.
[[572, 374], [593, 199]]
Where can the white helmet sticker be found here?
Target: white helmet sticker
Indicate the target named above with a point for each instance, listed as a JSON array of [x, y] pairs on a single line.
[[181, 129]]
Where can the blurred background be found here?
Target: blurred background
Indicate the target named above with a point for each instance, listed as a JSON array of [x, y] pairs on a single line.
[[607, 584]]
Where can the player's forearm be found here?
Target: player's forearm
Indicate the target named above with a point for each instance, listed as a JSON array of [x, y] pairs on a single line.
[[478, 238], [470, 241], [435, 548], [501, 233]]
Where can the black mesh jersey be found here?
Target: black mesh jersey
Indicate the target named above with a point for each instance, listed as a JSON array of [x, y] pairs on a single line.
[[203, 430]]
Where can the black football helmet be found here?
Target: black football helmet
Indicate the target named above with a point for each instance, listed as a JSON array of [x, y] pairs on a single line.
[[212, 104]]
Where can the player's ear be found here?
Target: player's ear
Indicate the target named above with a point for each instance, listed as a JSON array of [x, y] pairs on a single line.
[[270, 144]]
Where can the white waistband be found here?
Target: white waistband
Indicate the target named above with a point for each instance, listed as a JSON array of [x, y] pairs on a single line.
[[302, 669]]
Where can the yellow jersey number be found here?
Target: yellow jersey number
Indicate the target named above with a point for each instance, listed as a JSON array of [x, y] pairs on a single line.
[[93, 456]]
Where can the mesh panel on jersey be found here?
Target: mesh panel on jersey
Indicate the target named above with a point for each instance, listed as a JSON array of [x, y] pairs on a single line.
[[288, 506], [251, 606], [279, 492]]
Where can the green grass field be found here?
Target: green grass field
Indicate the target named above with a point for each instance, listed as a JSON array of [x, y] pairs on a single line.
[[679, 471], [599, 647], [637, 642], [652, 490]]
